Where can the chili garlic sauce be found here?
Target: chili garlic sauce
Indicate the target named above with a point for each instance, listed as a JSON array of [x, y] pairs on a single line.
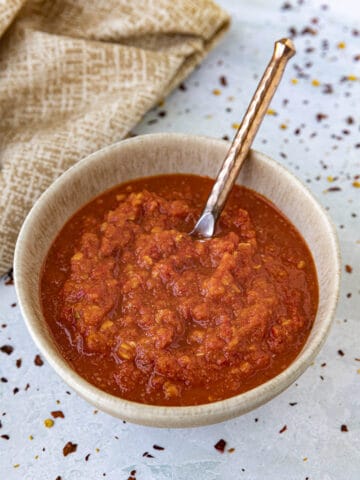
[[145, 312]]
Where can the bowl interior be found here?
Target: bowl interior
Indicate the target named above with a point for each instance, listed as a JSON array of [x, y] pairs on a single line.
[[154, 155]]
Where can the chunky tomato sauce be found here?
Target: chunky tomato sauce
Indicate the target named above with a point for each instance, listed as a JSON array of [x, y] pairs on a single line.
[[145, 312]]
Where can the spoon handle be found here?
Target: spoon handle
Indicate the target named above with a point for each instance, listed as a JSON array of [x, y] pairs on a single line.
[[283, 51]]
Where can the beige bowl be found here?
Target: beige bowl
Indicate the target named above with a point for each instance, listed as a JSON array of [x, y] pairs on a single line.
[[153, 155]]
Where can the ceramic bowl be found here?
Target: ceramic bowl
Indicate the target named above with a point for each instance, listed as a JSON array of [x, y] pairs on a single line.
[[152, 155]]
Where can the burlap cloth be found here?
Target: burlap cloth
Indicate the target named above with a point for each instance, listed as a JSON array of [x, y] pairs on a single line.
[[76, 75]]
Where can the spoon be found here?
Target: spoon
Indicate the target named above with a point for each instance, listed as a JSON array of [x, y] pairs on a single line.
[[205, 227]]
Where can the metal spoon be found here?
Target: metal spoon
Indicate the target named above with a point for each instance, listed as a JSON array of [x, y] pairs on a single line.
[[205, 227]]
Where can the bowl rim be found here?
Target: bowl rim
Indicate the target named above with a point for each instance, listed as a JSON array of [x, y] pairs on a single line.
[[171, 416]]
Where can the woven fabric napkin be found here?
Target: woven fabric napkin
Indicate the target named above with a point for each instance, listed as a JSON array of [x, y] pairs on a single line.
[[76, 75]]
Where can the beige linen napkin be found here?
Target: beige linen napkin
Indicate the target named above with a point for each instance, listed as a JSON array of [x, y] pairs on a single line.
[[76, 75]]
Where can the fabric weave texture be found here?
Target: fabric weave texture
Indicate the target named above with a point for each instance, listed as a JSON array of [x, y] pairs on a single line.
[[76, 76]]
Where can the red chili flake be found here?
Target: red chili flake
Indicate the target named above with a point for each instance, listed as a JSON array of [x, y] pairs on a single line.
[[333, 189], [292, 32], [328, 88], [9, 277], [57, 414], [58, 478], [344, 428], [292, 404], [13, 305], [69, 448], [15, 391], [321, 116], [223, 81], [284, 428], [309, 31], [4, 380], [38, 361], [348, 268], [133, 472], [27, 387], [87, 457], [357, 57], [341, 353], [8, 349], [158, 447], [147, 455], [220, 445], [18, 363], [5, 437]]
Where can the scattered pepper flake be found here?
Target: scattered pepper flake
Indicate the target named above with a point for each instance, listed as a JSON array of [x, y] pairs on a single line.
[[87, 457], [216, 91], [8, 349], [309, 31], [158, 447], [341, 353], [220, 445], [283, 429], [57, 414], [328, 89], [69, 448], [223, 81], [305, 459], [97, 450], [333, 189], [315, 83], [231, 450], [292, 404], [344, 428], [5, 437], [18, 363], [321, 116], [348, 269], [49, 423], [147, 455], [38, 361]]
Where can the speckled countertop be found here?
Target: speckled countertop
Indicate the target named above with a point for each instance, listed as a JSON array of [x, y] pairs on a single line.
[[312, 430]]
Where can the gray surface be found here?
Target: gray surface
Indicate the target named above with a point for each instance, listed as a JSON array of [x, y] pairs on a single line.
[[327, 397]]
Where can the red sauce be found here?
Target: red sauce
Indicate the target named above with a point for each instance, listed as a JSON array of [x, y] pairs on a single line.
[[145, 312]]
